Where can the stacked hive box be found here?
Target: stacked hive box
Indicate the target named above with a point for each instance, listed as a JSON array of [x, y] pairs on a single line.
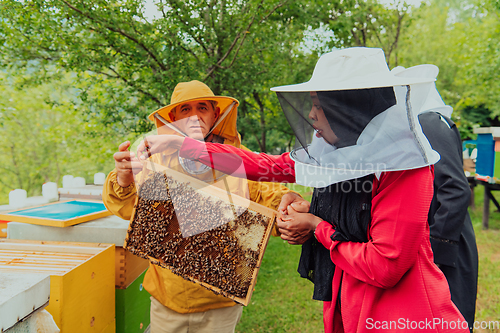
[[81, 280], [132, 302]]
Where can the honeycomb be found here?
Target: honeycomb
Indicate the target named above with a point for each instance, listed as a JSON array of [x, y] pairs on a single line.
[[226, 244]]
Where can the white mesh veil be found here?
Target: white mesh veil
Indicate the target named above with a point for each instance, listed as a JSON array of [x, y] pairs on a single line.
[[433, 101], [356, 125]]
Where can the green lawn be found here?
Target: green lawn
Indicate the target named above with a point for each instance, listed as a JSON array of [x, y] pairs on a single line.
[[282, 300], [488, 243]]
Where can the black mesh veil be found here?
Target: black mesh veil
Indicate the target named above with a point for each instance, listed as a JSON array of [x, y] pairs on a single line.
[[346, 134], [347, 112], [296, 107]]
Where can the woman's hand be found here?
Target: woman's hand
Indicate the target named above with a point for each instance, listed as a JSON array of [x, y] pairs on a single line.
[[293, 201], [296, 228], [157, 143]]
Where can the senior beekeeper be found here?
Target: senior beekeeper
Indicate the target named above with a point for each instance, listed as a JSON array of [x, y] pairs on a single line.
[[179, 305]]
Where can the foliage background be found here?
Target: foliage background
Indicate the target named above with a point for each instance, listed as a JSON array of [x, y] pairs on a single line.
[[78, 77]]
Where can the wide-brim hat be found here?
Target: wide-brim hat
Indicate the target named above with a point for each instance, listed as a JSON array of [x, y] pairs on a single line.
[[433, 101], [197, 91], [352, 68], [189, 92]]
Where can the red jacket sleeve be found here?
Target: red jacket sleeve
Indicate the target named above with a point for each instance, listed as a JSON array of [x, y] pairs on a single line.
[[240, 163], [400, 205]]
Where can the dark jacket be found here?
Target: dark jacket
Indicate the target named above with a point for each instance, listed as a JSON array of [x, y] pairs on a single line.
[[452, 236]]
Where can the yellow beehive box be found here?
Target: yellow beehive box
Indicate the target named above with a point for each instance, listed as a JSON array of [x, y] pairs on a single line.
[[82, 280]]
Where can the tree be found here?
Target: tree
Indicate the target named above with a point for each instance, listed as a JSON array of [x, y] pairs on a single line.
[[485, 72], [461, 38], [129, 65], [368, 24], [45, 135]]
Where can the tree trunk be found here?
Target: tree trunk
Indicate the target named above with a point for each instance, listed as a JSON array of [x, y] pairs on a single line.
[[262, 141]]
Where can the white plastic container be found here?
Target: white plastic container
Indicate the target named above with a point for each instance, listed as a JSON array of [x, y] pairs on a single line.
[[78, 182], [68, 181], [50, 191], [99, 178], [17, 198]]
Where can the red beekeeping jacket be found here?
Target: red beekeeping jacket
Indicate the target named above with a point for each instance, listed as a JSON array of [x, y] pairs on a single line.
[[388, 284]]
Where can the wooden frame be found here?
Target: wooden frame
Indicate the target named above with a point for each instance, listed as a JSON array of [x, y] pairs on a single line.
[[53, 222], [223, 195], [128, 267]]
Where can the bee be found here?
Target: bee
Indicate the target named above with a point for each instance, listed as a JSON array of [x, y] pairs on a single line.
[[214, 256]]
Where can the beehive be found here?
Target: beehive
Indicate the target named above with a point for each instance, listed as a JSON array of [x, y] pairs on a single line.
[[224, 259], [127, 267], [133, 307], [58, 214], [110, 230], [82, 288]]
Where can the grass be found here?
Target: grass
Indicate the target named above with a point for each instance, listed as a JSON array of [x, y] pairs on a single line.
[[282, 300], [488, 244], [306, 192]]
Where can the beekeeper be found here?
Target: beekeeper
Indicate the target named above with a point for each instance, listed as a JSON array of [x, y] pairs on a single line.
[[452, 235], [365, 237], [178, 305]]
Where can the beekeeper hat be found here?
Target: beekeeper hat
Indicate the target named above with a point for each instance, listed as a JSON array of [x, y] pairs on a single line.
[[198, 91], [433, 101], [352, 68]]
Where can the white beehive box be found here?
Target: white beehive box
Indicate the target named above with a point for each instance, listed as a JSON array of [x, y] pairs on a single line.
[[20, 295]]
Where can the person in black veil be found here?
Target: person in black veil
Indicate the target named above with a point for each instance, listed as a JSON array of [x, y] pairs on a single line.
[[365, 234], [346, 115]]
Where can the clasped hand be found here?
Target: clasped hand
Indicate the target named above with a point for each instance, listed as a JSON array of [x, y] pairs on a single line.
[[294, 222]]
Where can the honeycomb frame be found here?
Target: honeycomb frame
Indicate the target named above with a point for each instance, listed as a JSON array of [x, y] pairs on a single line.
[[225, 260]]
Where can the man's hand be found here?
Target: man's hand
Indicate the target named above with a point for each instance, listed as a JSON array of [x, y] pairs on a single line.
[[126, 164], [157, 143], [296, 228]]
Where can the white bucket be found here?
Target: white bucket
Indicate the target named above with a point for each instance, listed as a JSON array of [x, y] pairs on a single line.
[[78, 182], [17, 198], [99, 178], [50, 192], [67, 181]]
